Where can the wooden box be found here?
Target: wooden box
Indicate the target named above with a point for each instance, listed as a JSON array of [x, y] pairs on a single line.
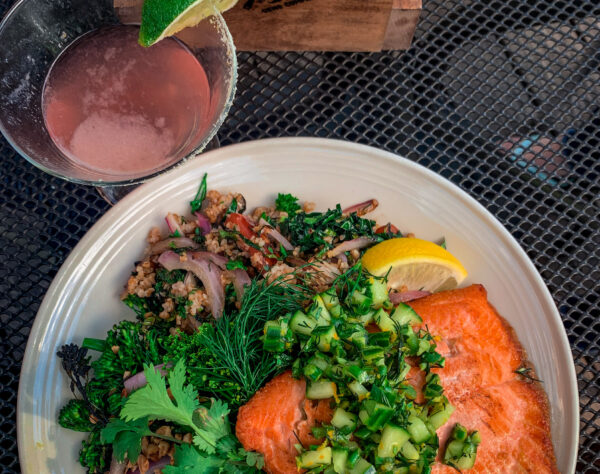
[[313, 25]]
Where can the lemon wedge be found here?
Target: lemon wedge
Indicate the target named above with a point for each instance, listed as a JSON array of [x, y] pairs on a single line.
[[162, 18], [415, 264]]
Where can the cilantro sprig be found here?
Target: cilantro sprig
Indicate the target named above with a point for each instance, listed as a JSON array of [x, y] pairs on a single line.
[[214, 447]]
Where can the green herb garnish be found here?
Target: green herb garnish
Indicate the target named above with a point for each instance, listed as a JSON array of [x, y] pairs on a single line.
[[525, 372], [235, 264], [287, 203], [196, 203], [213, 441]]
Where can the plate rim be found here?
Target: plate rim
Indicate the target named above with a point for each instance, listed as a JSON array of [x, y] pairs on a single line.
[[229, 152]]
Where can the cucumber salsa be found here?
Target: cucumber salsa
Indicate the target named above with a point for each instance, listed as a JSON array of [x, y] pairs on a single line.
[[353, 346]]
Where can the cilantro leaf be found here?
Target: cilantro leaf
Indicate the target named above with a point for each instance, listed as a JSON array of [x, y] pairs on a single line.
[[188, 460], [287, 203], [212, 424], [126, 437], [253, 458], [196, 203], [234, 264], [152, 401]]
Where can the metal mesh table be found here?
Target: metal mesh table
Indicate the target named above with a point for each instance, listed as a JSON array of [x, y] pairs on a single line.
[[500, 97]]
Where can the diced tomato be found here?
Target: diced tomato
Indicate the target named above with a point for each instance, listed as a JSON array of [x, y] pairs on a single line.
[[244, 227], [240, 221], [390, 228]]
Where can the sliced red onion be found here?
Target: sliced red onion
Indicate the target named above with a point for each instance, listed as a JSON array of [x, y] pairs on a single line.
[[154, 466], [405, 296], [189, 280], [139, 380], [117, 467], [353, 244], [275, 235], [219, 260], [177, 242], [321, 275], [173, 225], [240, 280], [203, 223], [204, 265], [362, 208]]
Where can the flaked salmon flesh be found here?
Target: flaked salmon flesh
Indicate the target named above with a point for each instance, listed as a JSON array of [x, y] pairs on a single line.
[[482, 354]]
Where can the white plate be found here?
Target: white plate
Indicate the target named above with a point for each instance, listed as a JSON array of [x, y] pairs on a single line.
[[83, 299]]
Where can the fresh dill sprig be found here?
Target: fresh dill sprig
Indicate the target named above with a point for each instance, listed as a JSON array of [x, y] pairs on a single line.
[[226, 358]]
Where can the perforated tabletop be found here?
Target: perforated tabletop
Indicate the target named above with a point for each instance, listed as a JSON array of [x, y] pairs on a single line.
[[500, 97]]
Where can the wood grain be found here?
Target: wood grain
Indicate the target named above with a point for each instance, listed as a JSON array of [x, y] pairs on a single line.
[[312, 25]]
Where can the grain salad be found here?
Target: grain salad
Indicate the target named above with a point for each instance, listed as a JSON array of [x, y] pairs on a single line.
[[281, 339]]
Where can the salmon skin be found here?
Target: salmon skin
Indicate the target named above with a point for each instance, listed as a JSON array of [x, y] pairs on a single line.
[[277, 417], [482, 354]]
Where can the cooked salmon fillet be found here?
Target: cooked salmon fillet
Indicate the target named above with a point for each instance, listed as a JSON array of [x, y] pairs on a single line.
[[482, 353], [276, 418]]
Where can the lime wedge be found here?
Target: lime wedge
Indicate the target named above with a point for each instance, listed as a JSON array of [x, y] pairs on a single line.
[[162, 18]]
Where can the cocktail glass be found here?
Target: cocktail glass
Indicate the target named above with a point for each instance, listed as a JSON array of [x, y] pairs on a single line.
[[34, 32]]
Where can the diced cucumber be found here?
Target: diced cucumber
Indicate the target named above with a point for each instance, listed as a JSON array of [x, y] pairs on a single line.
[[460, 433], [311, 459], [302, 323], [381, 339], [461, 450], [412, 343], [358, 389], [330, 298], [392, 439], [335, 372], [366, 318], [340, 458], [379, 414], [466, 461], [320, 360], [324, 336], [383, 321], [277, 335], [441, 417], [321, 389], [417, 429], [356, 372], [319, 312], [454, 449], [353, 457], [344, 420], [409, 451], [404, 314], [363, 432], [362, 466], [360, 302], [373, 355], [312, 372], [377, 290], [337, 311], [359, 337]]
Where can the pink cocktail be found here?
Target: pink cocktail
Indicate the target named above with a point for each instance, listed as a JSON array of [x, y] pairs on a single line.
[[80, 99], [115, 106]]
